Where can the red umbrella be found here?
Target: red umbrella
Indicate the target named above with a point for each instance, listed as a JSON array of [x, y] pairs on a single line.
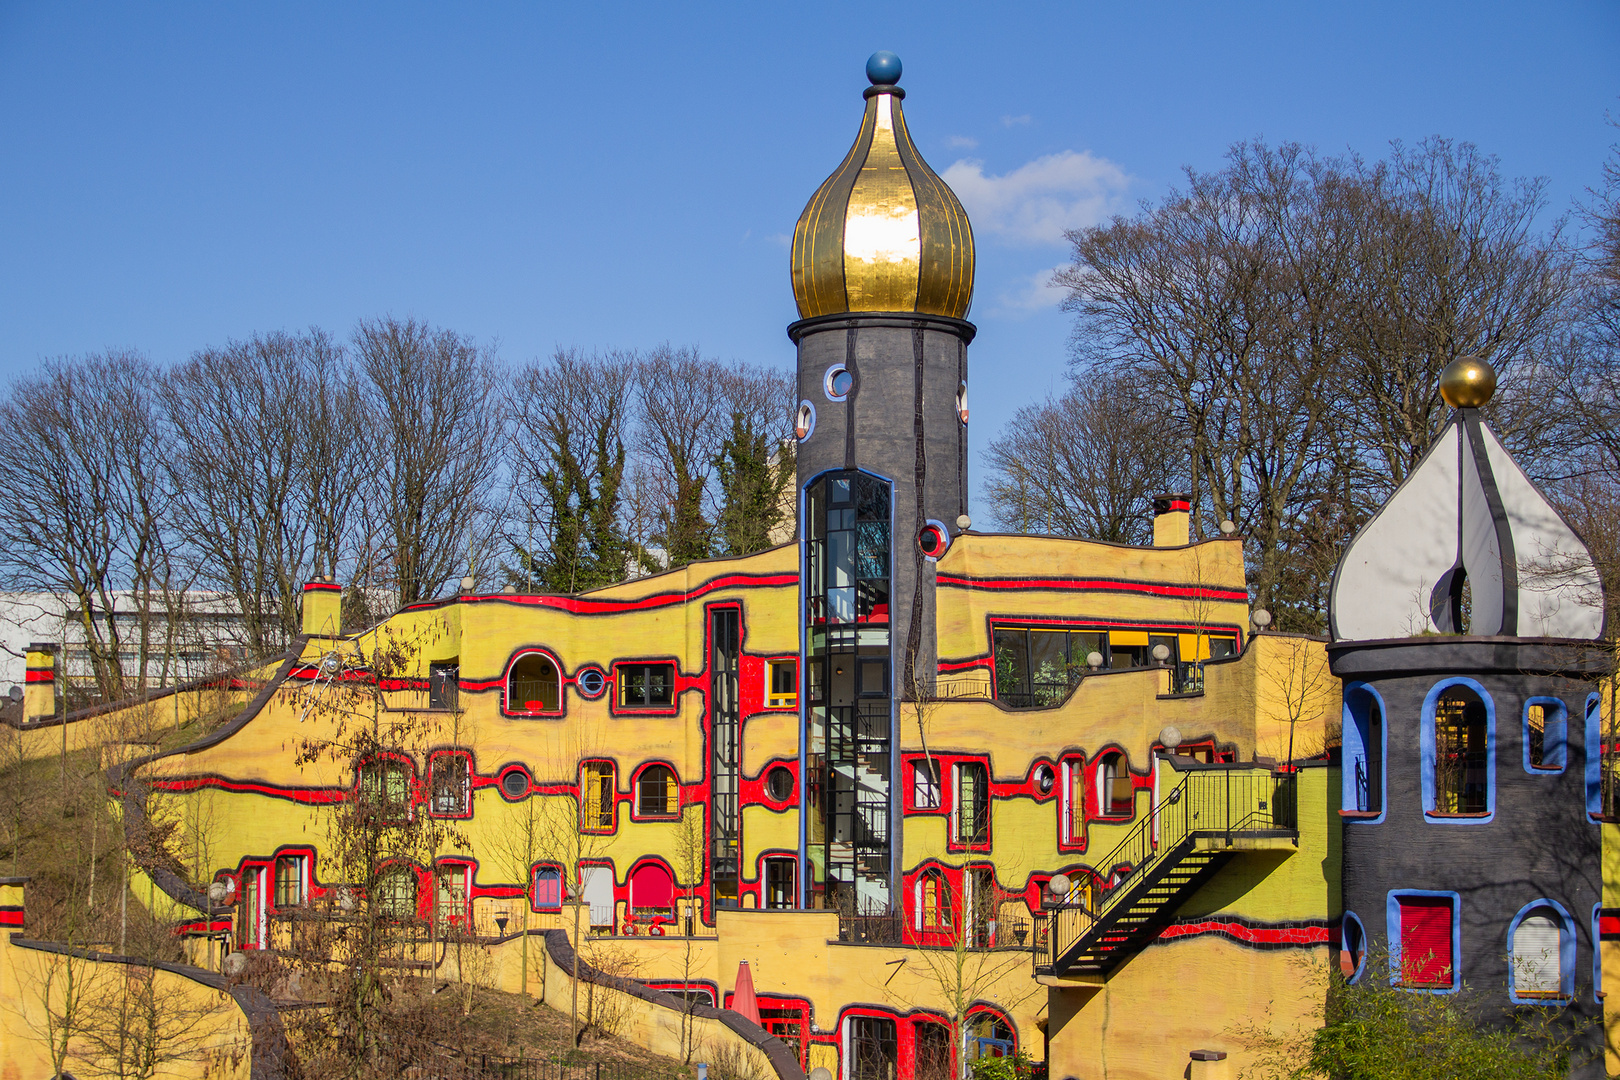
[[742, 998]]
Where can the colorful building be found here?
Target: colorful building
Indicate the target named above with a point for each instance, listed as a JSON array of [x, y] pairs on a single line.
[[947, 793]]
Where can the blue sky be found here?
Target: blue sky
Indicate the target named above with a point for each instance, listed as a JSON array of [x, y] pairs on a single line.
[[619, 175]]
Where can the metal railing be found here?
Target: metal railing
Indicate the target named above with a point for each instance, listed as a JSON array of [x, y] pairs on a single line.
[[1214, 804], [454, 1064]]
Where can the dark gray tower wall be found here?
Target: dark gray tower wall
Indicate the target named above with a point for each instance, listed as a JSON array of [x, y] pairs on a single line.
[[1538, 844], [899, 422]]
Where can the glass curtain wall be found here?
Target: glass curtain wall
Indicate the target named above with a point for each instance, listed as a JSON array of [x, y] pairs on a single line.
[[847, 680]]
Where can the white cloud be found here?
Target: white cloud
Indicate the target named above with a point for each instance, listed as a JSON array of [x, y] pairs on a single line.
[[1017, 121], [1027, 295], [1037, 201], [961, 142]]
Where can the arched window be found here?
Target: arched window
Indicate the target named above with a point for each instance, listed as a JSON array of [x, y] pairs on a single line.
[[533, 685], [658, 794], [1459, 732], [931, 1050], [396, 893], [988, 1035], [652, 890], [548, 888], [1546, 735], [1541, 953], [933, 902], [1116, 792], [1072, 801], [1364, 745], [1352, 946]]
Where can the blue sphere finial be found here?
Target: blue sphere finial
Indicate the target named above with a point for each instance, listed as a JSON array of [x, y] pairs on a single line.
[[883, 69]]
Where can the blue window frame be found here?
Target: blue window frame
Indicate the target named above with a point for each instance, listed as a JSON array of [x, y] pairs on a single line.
[[1366, 742], [1393, 921], [1594, 758], [1518, 965], [1459, 760], [1352, 945], [1550, 736]]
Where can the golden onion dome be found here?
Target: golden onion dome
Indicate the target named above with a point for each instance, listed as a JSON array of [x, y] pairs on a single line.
[[1467, 383], [883, 232]]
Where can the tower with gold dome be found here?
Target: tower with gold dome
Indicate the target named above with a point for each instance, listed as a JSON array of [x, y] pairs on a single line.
[[883, 276]]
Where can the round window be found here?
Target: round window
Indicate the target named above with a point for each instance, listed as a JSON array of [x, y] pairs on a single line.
[[779, 783], [961, 401], [805, 422], [515, 783], [590, 682], [838, 382], [932, 539], [1044, 779]]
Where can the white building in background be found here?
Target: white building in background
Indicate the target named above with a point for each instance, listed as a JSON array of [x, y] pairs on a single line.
[[206, 635]]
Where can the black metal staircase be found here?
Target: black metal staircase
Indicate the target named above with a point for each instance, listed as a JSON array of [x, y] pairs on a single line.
[[1211, 817]]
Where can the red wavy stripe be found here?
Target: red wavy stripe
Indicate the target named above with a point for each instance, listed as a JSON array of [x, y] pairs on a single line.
[[581, 605], [11, 916], [1095, 585], [38, 675], [1251, 935], [308, 796]]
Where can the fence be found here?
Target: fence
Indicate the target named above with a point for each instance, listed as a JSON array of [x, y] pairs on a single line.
[[458, 1065]]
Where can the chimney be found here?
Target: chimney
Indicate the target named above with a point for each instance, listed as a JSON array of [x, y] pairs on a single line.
[[1172, 520], [323, 608], [39, 680]]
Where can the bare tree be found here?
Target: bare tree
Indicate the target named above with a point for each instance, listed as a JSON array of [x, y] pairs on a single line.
[[1295, 311], [82, 452], [434, 401], [1085, 464], [142, 1021], [271, 438], [680, 414]]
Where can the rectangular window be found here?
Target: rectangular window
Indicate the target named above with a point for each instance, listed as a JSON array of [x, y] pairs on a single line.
[[452, 895], [385, 789], [1426, 926], [972, 803], [444, 685], [782, 686], [548, 890], [780, 884], [450, 780], [646, 686], [289, 881], [925, 784], [596, 797]]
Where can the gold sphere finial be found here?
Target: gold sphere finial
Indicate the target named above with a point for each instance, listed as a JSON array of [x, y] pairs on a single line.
[[1467, 383]]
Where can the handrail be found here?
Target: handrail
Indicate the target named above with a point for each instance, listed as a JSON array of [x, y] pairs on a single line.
[[1209, 803]]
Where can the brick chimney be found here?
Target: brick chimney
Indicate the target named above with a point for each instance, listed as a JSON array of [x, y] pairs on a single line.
[[323, 608], [1172, 520], [39, 681]]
